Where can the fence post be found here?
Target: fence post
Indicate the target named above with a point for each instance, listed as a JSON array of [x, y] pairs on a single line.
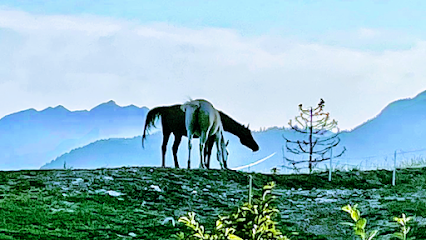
[[394, 169], [250, 187], [331, 165]]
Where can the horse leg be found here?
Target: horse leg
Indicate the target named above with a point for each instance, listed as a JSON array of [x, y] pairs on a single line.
[[218, 154], [189, 150], [201, 155], [224, 152], [203, 140], [208, 151], [166, 136], [175, 149], [207, 154]]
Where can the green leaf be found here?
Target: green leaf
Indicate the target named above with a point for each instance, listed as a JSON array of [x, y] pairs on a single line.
[[198, 235], [348, 223], [361, 223], [179, 236], [234, 237], [183, 219], [265, 194], [355, 215], [372, 234], [399, 235], [407, 230], [347, 208], [219, 224], [361, 233]]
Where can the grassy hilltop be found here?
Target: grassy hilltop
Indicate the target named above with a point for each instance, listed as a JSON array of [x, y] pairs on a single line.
[[140, 202]]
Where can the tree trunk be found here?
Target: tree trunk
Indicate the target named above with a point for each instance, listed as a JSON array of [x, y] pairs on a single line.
[[310, 143]]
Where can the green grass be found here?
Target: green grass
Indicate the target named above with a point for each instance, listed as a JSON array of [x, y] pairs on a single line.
[[75, 204], [414, 162]]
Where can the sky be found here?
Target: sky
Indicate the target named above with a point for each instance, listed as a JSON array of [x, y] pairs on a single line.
[[254, 60]]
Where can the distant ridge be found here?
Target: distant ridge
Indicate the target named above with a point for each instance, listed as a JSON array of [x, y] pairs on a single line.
[[30, 138], [400, 107], [108, 106], [57, 108]]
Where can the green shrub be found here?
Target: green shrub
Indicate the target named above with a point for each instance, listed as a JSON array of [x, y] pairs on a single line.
[[251, 221], [359, 223], [403, 222]]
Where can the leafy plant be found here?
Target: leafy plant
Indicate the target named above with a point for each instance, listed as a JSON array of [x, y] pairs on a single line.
[[251, 221], [403, 222], [199, 232], [360, 223], [275, 170]]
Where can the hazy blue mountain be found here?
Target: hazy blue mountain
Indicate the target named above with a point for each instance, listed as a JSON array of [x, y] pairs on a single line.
[[400, 125], [119, 152], [31, 138]]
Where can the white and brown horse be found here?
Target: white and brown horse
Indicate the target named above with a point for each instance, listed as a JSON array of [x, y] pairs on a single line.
[[203, 121]]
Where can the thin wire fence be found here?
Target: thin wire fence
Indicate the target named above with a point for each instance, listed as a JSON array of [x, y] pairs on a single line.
[[390, 161], [413, 158]]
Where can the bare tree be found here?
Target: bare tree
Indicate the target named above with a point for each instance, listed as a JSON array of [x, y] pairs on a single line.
[[319, 140]]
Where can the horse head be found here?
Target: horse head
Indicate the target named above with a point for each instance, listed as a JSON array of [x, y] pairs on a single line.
[[248, 140], [223, 152]]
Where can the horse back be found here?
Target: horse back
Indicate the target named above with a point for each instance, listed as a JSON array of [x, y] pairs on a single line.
[[208, 117], [173, 120]]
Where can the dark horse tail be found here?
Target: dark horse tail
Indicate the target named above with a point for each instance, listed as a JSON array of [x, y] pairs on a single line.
[[151, 117]]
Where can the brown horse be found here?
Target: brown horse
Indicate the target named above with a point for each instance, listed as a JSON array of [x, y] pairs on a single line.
[[173, 121]]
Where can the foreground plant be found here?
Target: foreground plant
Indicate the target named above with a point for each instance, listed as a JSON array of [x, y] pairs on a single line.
[[360, 223], [199, 232], [251, 221], [403, 222], [275, 170]]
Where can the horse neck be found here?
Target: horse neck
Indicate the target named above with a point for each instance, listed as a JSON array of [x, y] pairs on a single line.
[[230, 125]]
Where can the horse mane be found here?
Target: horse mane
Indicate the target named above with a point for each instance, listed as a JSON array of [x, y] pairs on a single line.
[[230, 125], [191, 103], [151, 117]]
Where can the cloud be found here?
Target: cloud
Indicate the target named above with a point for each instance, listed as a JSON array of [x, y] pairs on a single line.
[[81, 61], [27, 23], [367, 33]]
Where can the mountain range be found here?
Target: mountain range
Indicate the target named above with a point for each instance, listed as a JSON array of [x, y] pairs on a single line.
[[109, 136], [31, 138]]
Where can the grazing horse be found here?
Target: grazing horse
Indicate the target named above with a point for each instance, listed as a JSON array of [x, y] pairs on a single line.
[[173, 121], [203, 120]]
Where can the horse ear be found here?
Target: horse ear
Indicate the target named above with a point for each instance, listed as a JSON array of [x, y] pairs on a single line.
[[248, 125]]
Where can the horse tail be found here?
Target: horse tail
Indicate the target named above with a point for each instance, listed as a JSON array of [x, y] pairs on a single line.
[[151, 117], [191, 109]]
